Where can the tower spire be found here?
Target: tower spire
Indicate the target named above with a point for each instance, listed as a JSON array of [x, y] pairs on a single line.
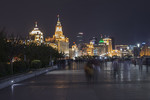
[[36, 24], [58, 17], [101, 36], [58, 21]]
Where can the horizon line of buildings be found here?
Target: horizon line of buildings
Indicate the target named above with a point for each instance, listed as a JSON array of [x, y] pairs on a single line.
[[104, 47]]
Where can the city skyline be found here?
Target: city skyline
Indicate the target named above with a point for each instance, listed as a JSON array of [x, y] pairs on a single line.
[[127, 22]]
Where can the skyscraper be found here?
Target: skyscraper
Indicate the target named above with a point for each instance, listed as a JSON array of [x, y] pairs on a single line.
[[79, 38], [94, 40]]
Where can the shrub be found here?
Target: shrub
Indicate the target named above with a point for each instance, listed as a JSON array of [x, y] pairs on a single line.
[[36, 64]]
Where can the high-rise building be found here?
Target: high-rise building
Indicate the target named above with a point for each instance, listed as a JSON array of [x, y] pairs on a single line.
[[36, 35], [79, 38], [79, 42], [94, 40]]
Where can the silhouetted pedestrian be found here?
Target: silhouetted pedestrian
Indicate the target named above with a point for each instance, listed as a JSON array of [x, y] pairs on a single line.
[[89, 71], [116, 68]]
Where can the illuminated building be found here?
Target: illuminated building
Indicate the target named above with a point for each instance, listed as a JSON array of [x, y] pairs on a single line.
[[121, 47], [100, 49], [58, 36], [108, 42], [79, 41], [90, 49], [74, 51], [79, 38], [52, 45], [145, 51], [124, 50], [101, 41], [83, 49], [116, 53], [59, 39], [36, 35], [94, 41]]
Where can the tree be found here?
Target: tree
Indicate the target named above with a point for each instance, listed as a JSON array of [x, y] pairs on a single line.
[[3, 47]]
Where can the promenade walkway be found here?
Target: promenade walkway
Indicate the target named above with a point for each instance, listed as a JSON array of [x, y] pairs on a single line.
[[70, 84]]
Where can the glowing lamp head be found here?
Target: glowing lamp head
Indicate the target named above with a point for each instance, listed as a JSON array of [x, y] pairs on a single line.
[[138, 45], [12, 81]]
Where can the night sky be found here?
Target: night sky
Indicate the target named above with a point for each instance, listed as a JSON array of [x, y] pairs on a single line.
[[128, 21]]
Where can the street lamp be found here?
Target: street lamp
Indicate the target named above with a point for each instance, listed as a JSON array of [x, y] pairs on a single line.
[[121, 52], [138, 45]]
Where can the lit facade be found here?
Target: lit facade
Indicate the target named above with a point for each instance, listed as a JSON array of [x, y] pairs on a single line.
[[58, 36], [116, 53], [90, 48], [124, 50], [59, 41], [100, 49], [108, 42], [36, 35], [74, 51], [145, 51]]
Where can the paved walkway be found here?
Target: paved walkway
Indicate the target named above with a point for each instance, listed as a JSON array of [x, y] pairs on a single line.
[[71, 85]]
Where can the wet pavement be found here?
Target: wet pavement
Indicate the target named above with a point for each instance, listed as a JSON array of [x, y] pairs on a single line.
[[70, 84]]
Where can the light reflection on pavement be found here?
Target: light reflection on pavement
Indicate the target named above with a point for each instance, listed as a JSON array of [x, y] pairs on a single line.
[[70, 84]]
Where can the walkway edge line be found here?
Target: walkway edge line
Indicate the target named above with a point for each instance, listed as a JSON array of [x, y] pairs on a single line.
[[15, 79]]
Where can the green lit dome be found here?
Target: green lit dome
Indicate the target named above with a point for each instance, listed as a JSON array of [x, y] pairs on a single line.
[[101, 41]]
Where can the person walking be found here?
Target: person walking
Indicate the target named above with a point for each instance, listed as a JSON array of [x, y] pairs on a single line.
[[97, 69], [116, 67], [126, 64], [140, 63], [89, 71], [126, 72]]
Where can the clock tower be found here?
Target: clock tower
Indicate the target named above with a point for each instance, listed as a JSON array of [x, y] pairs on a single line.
[[58, 36], [61, 41]]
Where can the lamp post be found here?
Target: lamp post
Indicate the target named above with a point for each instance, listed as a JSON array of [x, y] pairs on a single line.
[[24, 54], [121, 52], [50, 61], [138, 45], [11, 64], [11, 56]]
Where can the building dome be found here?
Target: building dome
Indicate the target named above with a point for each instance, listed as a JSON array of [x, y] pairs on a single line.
[[101, 41], [36, 35]]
